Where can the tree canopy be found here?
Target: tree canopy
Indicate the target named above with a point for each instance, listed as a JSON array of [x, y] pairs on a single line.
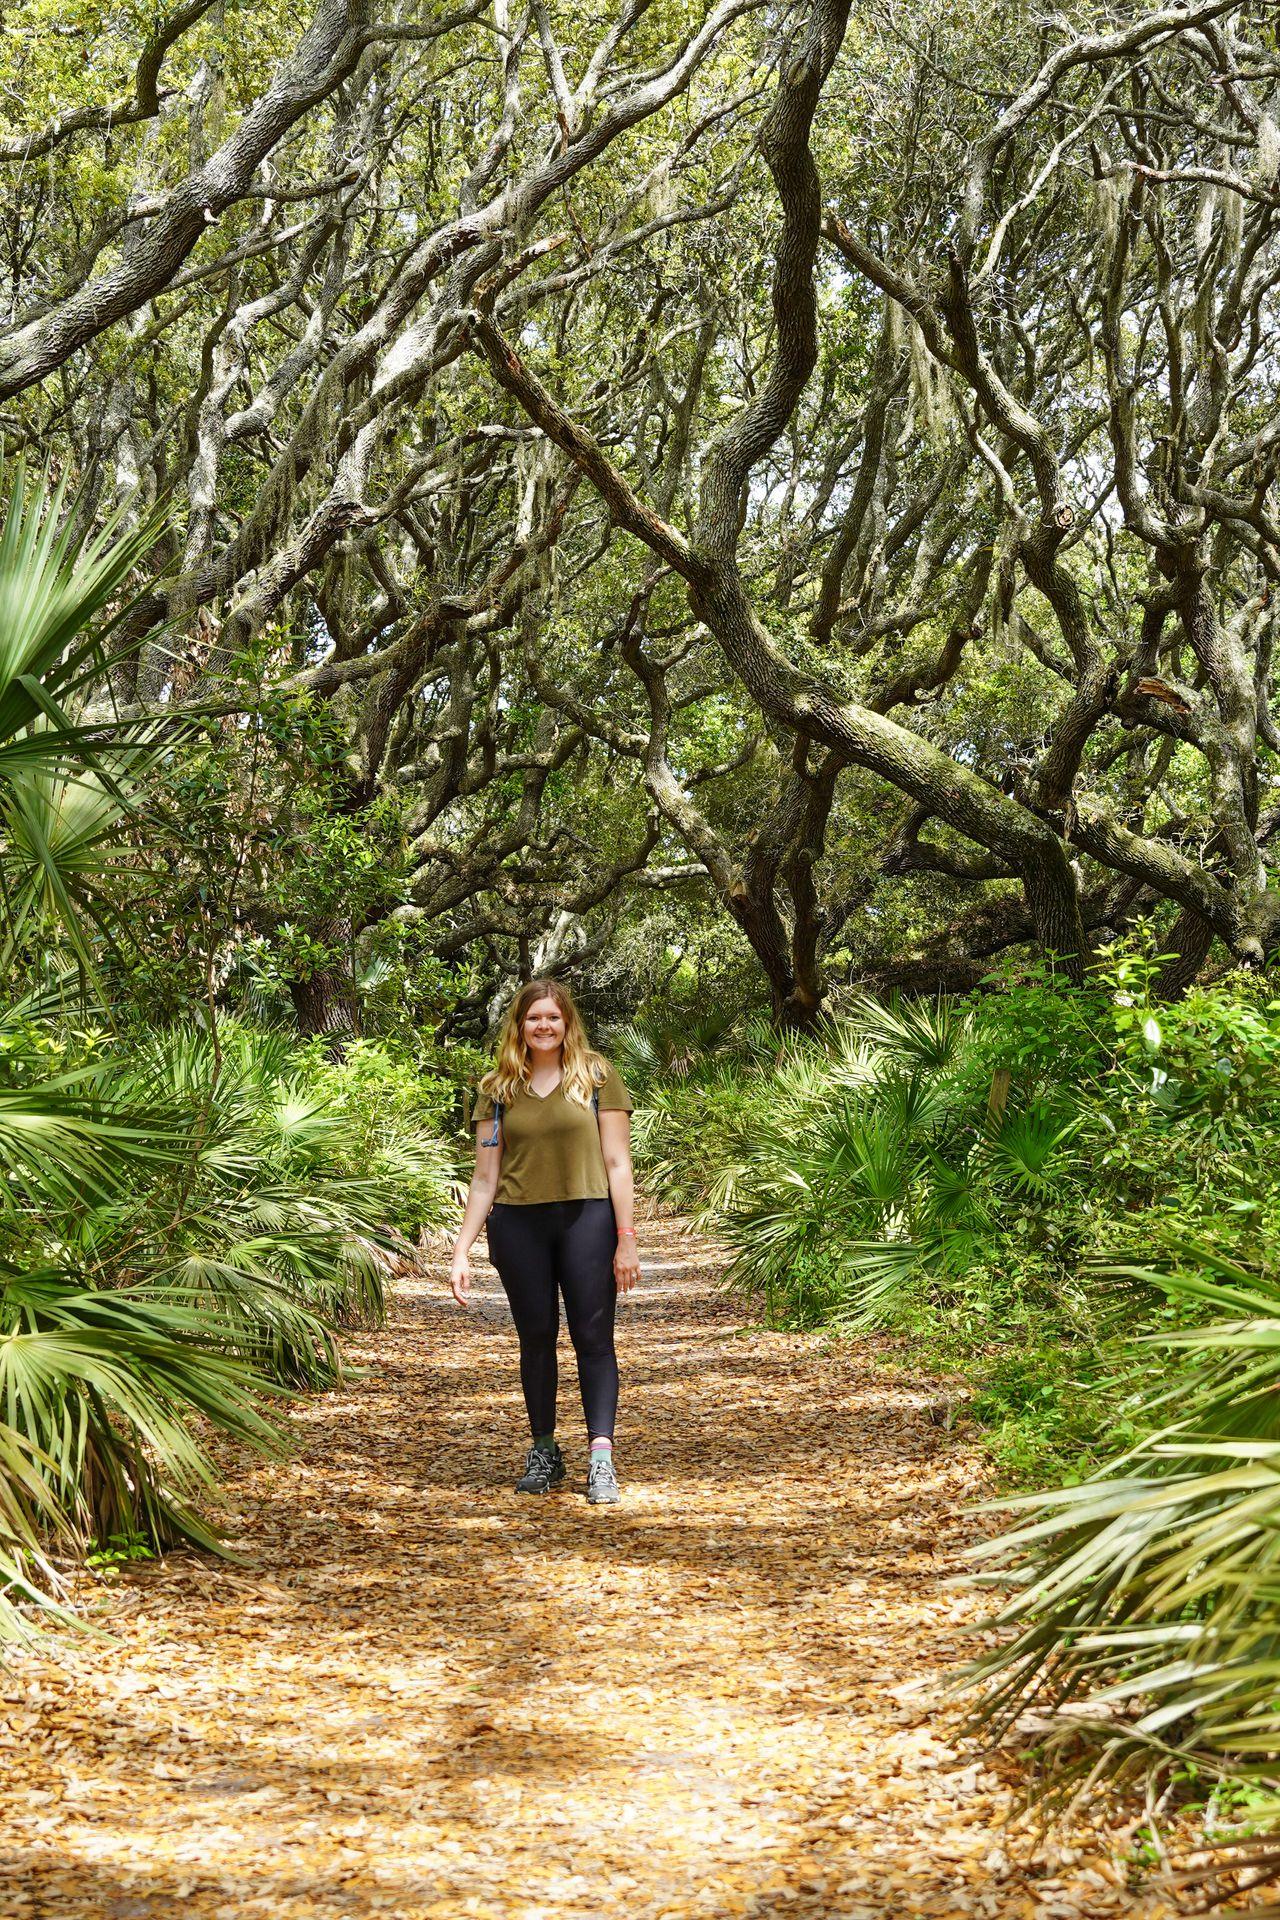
[[729, 469]]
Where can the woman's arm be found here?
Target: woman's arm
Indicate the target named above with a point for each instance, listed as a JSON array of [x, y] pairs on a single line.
[[484, 1184], [615, 1144]]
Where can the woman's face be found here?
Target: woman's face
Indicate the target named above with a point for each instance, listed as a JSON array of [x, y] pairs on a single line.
[[544, 1029]]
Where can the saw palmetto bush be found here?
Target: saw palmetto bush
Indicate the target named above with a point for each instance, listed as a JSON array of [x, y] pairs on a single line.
[[261, 1216], [879, 1170], [186, 1218], [1138, 1633], [102, 1371], [649, 1052], [182, 1235]]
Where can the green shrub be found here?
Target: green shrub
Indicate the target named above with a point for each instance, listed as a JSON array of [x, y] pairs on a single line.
[[950, 1172], [397, 1120], [1141, 1608]]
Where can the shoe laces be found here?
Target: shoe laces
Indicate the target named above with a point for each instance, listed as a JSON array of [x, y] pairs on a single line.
[[539, 1458], [602, 1468]]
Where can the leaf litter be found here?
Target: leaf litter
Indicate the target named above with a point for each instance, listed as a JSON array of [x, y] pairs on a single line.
[[427, 1696]]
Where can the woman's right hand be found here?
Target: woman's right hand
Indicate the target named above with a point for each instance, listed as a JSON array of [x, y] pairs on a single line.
[[460, 1277]]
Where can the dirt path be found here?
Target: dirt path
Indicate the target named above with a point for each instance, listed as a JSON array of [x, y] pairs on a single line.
[[430, 1696]]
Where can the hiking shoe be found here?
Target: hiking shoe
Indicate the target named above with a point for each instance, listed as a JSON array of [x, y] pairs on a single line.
[[602, 1481], [542, 1471]]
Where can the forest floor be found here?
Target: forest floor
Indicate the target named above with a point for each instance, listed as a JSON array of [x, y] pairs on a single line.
[[425, 1695]]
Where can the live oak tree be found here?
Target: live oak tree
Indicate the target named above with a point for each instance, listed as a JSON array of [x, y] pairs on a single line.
[[247, 279], [641, 432], [1086, 351]]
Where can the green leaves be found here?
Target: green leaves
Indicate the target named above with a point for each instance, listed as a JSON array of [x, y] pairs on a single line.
[[185, 1220], [1144, 1603], [645, 1051], [65, 785], [54, 584], [185, 1226], [879, 1175]]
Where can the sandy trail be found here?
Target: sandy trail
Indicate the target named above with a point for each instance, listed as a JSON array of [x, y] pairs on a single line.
[[428, 1696]]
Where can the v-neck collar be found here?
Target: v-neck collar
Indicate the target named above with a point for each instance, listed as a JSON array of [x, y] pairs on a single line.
[[550, 1090]]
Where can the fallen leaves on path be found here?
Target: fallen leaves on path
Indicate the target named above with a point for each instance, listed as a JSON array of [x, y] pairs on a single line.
[[427, 1696]]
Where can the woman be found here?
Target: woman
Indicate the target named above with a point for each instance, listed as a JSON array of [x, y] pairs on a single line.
[[554, 1180]]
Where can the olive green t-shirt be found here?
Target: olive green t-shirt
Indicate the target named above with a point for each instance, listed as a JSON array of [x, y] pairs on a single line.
[[551, 1146]]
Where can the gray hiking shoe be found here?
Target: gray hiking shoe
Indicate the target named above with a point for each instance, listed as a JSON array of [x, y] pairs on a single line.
[[542, 1470], [602, 1481]]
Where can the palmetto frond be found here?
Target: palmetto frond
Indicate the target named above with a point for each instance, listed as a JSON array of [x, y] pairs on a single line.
[[1147, 1598], [636, 1056], [60, 1144], [61, 829], [1028, 1149], [102, 1386], [64, 785], [922, 1036], [645, 1050], [29, 1518], [54, 585]]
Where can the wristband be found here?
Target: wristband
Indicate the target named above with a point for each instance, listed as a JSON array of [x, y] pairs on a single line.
[[626, 1231]]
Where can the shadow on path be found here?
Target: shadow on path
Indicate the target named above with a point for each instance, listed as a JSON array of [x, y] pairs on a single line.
[[430, 1697]]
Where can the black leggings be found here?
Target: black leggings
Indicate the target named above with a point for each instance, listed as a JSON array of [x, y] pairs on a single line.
[[569, 1243]]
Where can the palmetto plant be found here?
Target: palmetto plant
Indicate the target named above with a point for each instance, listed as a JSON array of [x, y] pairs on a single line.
[[691, 1135], [64, 784], [102, 1385], [98, 1382], [1141, 1610], [182, 1226], [62, 849], [878, 1171], [200, 1234], [649, 1051], [264, 1219]]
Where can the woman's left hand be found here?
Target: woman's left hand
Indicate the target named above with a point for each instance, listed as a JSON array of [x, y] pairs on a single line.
[[626, 1263]]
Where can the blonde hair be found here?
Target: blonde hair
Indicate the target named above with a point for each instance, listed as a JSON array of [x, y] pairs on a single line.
[[582, 1068]]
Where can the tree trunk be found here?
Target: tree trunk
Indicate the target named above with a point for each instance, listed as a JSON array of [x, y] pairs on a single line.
[[800, 1010], [326, 1002], [1049, 882], [760, 920], [1190, 939]]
